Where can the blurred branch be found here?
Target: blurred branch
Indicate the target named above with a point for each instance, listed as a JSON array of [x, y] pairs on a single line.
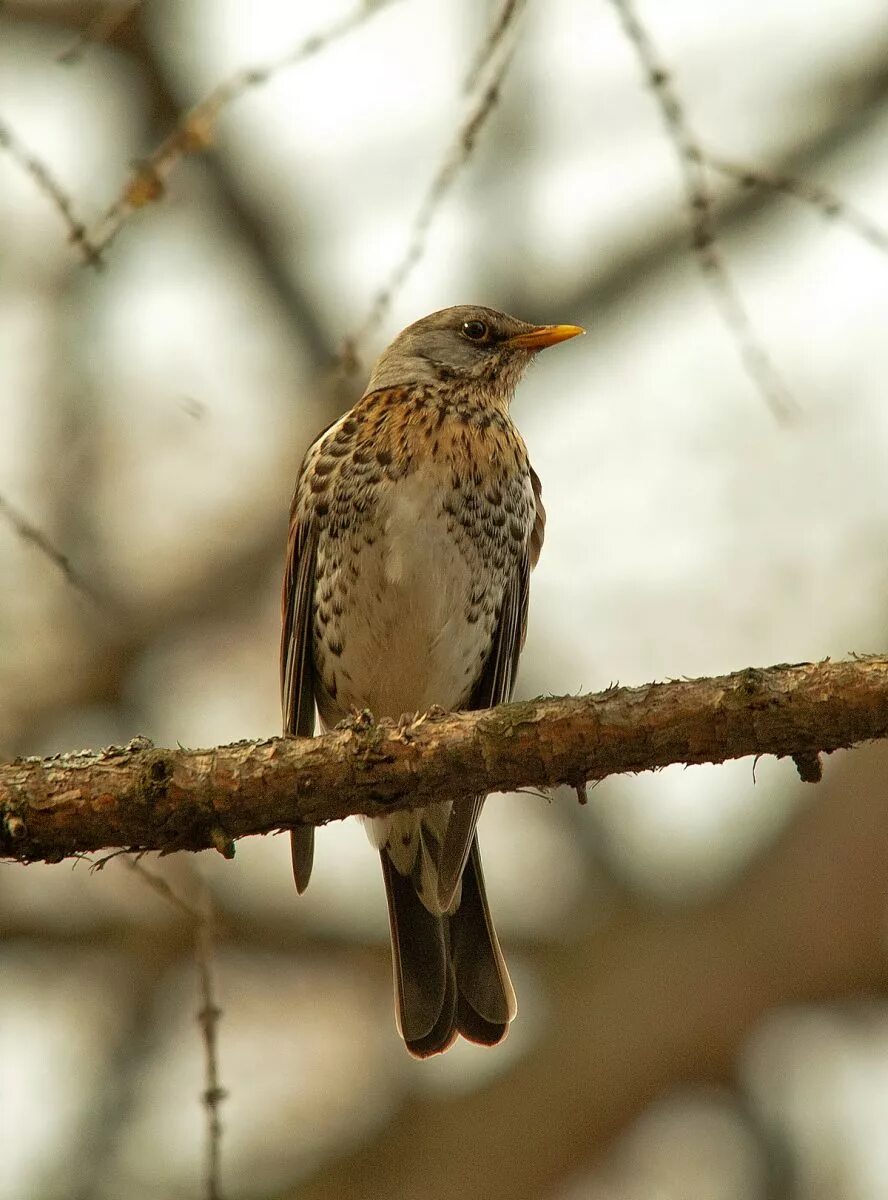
[[50, 187], [196, 128], [699, 202], [99, 28], [827, 203], [499, 27], [142, 797], [29, 532], [850, 100], [201, 917], [283, 282], [493, 59]]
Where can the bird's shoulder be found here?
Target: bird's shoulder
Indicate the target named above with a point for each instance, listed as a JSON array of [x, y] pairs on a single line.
[[470, 452], [390, 430]]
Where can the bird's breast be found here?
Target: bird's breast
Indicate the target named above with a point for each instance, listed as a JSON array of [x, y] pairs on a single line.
[[407, 595]]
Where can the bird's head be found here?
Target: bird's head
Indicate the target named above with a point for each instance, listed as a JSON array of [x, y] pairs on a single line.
[[469, 345]]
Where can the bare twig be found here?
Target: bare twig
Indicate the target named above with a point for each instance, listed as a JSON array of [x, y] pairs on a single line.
[[161, 886], [494, 60], [29, 532], [827, 203], [208, 1015], [194, 799], [99, 29], [196, 128], [503, 19], [693, 164], [47, 183]]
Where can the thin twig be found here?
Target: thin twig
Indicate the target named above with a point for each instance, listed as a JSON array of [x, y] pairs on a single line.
[[495, 58], [208, 1015], [50, 187], [195, 130], [499, 27], [164, 889], [103, 25], [827, 203], [693, 163], [29, 532]]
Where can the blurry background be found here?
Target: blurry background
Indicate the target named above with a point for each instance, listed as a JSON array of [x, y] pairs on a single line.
[[700, 955]]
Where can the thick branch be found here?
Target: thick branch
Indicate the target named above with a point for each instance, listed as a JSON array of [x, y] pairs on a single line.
[[140, 796]]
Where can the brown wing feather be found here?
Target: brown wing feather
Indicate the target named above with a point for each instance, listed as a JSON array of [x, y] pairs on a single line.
[[496, 684], [538, 532], [297, 667]]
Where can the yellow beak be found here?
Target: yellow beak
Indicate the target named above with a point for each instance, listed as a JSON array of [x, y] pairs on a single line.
[[543, 336]]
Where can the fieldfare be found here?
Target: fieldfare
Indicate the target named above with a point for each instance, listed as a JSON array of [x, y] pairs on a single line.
[[415, 525]]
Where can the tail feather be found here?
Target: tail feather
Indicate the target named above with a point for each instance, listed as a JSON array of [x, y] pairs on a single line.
[[425, 989], [482, 978], [302, 840], [449, 972]]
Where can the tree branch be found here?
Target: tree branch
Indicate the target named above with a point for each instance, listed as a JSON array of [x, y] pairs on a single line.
[[143, 797]]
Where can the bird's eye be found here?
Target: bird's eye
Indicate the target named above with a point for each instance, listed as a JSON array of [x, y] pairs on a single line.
[[475, 331]]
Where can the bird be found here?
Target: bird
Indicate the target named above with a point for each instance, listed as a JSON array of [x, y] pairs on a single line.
[[415, 523]]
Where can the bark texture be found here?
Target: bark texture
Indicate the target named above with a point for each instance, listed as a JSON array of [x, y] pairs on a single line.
[[140, 796]]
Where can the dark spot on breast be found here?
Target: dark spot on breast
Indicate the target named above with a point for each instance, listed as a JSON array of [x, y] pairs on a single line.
[[335, 648], [362, 455], [332, 687], [516, 530], [322, 508], [324, 466], [494, 496], [384, 457], [348, 428], [318, 483]]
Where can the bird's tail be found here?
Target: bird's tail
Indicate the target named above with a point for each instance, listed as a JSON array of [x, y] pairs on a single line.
[[450, 974]]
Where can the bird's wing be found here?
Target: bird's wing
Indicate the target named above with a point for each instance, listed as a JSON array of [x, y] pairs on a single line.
[[496, 684], [538, 532], [297, 669]]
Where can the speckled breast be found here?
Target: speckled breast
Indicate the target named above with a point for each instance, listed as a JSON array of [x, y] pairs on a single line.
[[423, 511]]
